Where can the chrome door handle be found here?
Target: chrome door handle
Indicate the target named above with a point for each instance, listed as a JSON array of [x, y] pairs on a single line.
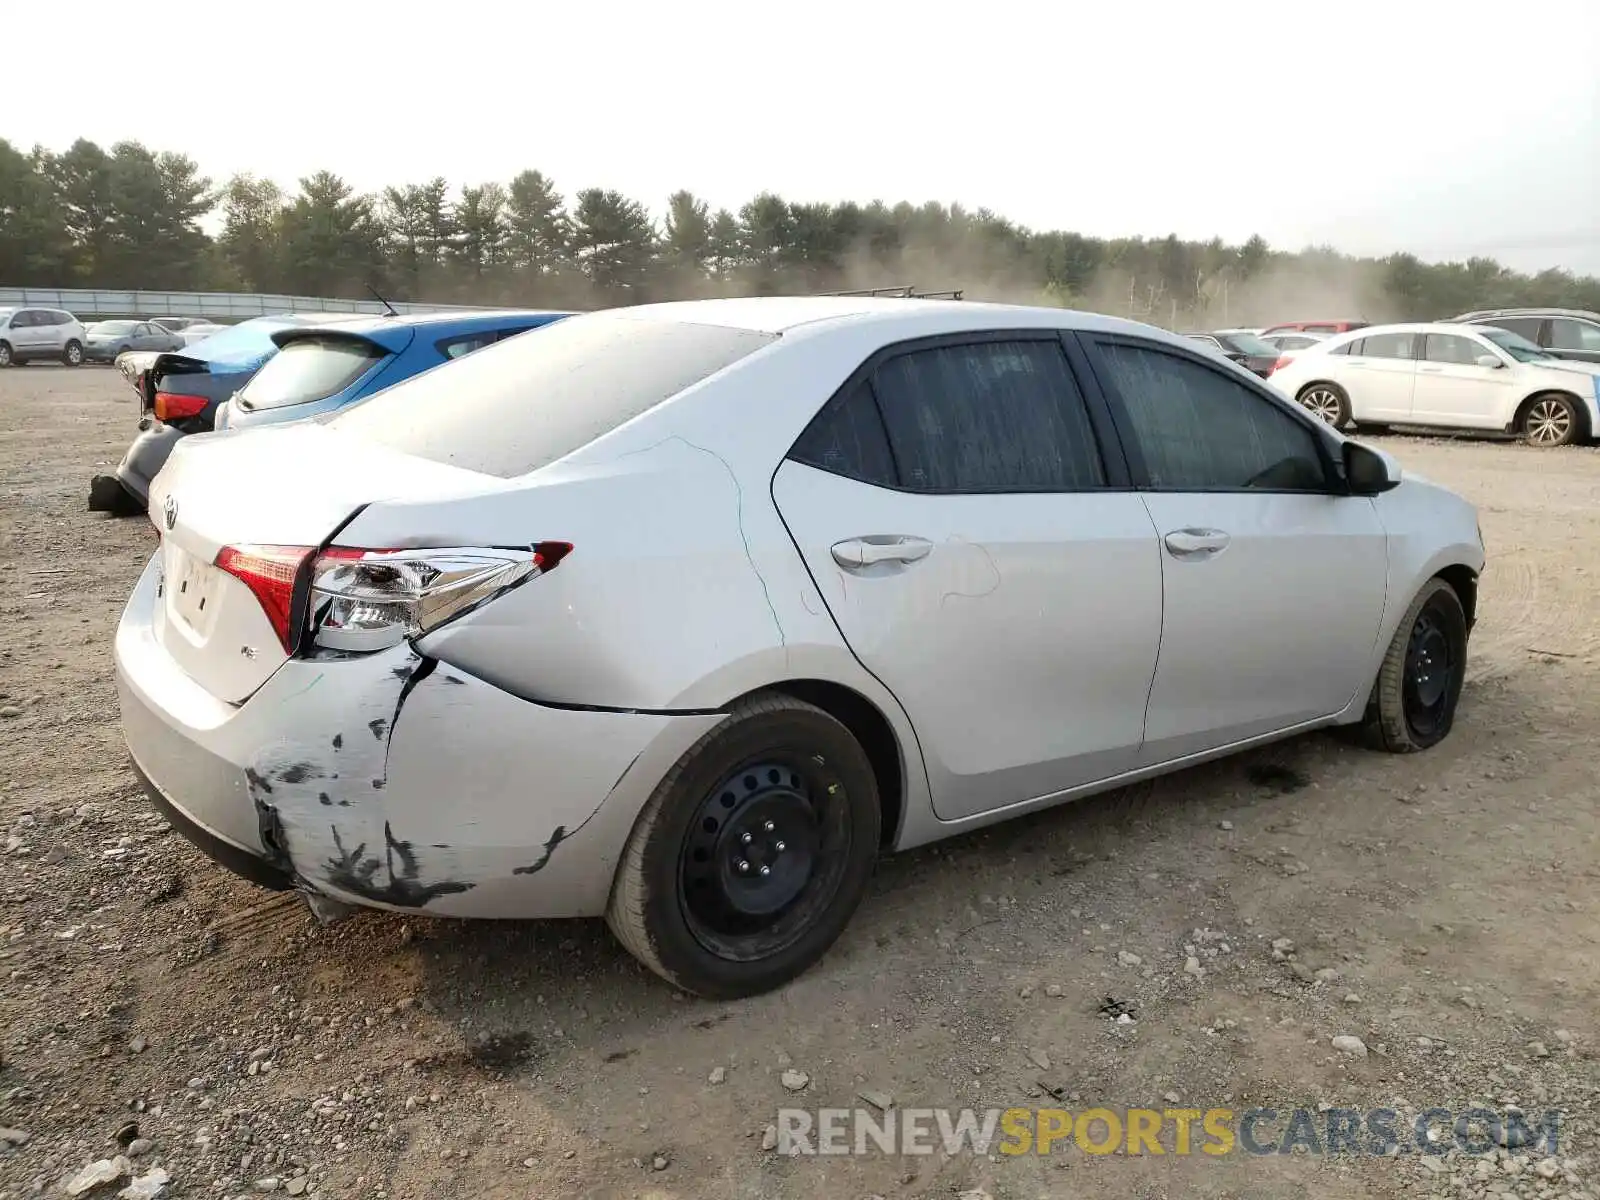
[[880, 548], [1196, 543], [1431, 370]]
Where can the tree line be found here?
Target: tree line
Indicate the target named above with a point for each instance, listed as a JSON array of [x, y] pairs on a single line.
[[130, 217]]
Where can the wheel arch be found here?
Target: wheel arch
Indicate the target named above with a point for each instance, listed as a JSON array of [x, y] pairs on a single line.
[[1585, 422], [1463, 580], [871, 728]]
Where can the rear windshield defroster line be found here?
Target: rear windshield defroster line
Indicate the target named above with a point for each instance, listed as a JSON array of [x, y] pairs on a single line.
[[519, 405]]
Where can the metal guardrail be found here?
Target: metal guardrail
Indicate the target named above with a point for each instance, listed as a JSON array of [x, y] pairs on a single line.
[[234, 306]]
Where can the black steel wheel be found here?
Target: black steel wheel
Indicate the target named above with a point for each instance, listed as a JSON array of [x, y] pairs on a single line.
[[752, 853], [1419, 685]]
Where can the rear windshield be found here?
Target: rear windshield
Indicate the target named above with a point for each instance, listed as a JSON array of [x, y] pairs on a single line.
[[112, 328], [1249, 343], [521, 404], [309, 369]]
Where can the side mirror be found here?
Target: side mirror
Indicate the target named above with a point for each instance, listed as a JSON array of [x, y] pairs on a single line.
[[1489, 360], [1369, 472]]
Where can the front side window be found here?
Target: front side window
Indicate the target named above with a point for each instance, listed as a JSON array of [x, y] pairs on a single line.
[[1388, 345], [1004, 416], [1200, 430], [309, 369], [1567, 334], [1452, 348]]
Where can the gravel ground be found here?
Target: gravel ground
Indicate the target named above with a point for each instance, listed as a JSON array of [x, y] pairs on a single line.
[[1439, 908]]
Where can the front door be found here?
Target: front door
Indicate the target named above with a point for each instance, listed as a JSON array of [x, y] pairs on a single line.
[[1273, 583], [1454, 388], [955, 511]]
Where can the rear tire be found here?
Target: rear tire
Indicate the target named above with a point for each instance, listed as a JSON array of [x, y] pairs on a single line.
[[72, 355], [1551, 420], [751, 854], [1414, 700], [1327, 402]]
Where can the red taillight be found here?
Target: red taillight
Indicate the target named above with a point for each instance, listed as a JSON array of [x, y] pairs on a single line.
[[270, 572], [175, 406], [1283, 361]]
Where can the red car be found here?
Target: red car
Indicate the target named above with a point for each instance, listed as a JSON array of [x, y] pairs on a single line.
[[1316, 327]]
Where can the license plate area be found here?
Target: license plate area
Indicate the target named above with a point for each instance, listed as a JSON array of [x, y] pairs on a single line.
[[190, 585]]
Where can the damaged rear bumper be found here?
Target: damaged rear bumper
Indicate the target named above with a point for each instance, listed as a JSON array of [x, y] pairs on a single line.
[[393, 780]]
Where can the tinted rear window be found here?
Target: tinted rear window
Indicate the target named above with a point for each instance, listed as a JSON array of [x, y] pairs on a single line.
[[520, 404], [309, 369]]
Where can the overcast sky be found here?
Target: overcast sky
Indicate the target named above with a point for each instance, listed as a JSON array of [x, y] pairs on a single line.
[[1444, 129]]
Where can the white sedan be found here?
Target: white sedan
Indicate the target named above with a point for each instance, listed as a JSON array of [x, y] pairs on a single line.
[[1452, 376], [684, 613]]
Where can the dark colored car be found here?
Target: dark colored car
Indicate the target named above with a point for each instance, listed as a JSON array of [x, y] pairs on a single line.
[[1569, 333], [104, 340], [179, 393], [1243, 347]]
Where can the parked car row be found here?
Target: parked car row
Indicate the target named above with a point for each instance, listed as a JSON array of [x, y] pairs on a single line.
[[285, 368], [55, 335], [1459, 375], [683, 614]]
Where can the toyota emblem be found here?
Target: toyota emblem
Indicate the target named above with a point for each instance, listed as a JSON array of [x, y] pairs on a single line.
[[169, 510]]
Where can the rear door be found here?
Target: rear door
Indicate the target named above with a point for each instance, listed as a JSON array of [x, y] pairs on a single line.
[[1382, 375], [1452, 388], [983, 558], [1273, 582]]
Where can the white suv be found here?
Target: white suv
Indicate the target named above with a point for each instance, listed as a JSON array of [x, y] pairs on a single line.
[[39, 333]]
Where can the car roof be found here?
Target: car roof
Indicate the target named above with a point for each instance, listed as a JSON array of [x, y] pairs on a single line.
[[904, 317], [1414, 327], [465, 319]]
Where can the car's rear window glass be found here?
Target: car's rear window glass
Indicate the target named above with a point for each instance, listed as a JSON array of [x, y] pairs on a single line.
[[520, 404], [309, 369]]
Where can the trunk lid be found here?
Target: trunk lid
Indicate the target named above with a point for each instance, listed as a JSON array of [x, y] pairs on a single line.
[[288, 486]]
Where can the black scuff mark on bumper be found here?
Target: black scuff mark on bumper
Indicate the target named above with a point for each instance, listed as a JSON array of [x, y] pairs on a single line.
[[560, 835], [357, 872]]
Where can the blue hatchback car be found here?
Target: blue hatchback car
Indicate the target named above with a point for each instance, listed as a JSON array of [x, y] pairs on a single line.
[[321, 368], [263, 371]]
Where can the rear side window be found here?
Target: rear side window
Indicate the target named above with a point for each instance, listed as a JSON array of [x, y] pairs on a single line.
[[988, 417], [848, 438], [1200, 430], [520, 404], [307, 370], [1388, 345]]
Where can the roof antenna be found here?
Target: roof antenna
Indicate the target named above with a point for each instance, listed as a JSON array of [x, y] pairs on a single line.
[[382, 301]]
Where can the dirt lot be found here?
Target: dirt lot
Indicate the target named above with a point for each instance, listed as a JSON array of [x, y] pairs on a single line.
[[1441, 907]]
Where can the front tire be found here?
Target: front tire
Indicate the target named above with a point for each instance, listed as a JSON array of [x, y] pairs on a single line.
[[1419, 684], [5, 354], [1551, 420], [1327, 402], [752, 853], [73, 354]]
